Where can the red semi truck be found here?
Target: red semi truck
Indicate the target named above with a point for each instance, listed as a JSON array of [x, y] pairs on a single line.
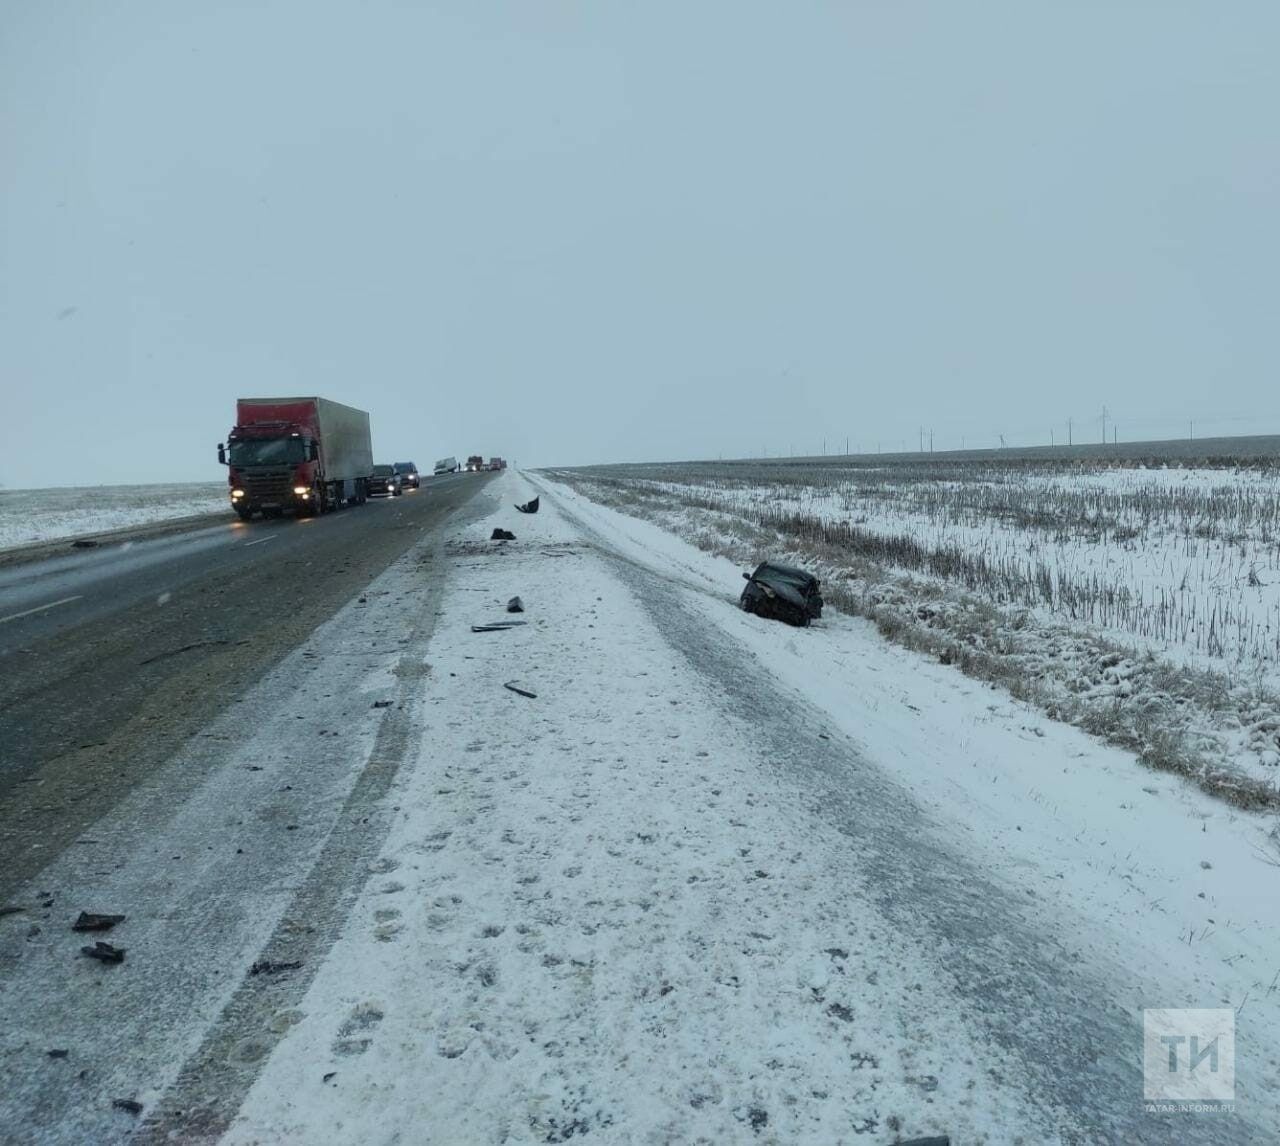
[[305, 454]]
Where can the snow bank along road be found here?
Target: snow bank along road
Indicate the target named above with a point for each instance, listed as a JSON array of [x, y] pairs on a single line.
[[717, 881], [32, 521]]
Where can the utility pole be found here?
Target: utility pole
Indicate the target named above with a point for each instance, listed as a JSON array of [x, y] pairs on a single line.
[[1050, 435], [931, 441], [846, 446], [922, 439], [1069, 440], [1104, 425], [1191, 430]]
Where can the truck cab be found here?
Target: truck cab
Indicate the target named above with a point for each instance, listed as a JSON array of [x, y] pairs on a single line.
[[272, 470]]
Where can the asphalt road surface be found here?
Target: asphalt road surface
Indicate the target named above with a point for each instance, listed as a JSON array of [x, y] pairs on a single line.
[[111, 657], [198, 733]]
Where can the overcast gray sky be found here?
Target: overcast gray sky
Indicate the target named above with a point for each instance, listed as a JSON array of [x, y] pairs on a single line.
[[590, 232]]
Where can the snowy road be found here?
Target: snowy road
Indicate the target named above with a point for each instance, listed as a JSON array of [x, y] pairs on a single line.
[[719, 880], [673, 899]]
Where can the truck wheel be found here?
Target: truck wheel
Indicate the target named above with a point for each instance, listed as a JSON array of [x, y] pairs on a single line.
[[244, 513]]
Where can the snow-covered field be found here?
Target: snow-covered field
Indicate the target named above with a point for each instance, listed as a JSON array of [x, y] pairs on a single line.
[[1144, 603], [720, 880], [32, 515], [1186, 561]]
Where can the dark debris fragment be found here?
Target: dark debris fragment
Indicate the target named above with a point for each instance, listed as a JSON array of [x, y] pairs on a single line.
[[94, 921], [274, 966]]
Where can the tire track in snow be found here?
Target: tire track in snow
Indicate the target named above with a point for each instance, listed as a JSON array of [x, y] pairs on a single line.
[[212, 1083]]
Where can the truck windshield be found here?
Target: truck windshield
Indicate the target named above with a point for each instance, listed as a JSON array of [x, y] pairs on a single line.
[[267, 451]]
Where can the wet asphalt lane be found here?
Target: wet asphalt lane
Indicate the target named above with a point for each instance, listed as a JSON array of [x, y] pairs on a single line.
[[111, 657]]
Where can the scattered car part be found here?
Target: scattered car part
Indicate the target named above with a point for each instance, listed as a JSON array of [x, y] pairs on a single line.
[[273, 966], [132, 1105], [515, 605], [104, 952], [502, 535], [92, 921], [529, 506], [497, 626], [782, 593], [522, 691]]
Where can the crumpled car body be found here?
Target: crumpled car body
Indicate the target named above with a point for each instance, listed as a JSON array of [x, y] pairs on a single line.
[[782, 593]]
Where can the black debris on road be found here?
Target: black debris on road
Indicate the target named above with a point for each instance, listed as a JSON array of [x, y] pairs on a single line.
[[92, 921]]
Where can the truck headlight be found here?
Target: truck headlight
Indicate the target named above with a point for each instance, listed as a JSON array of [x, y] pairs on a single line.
[[301, 490], [237, 493]]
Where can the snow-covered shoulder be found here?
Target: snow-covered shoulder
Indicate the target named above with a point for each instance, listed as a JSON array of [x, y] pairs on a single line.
[[602, 911]]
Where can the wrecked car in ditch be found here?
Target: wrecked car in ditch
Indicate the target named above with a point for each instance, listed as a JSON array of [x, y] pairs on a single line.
[[782, 593]]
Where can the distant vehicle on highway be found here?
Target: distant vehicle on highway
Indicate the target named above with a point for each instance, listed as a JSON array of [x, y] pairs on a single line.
[[497, 464], [409, 475], [385, 482], [475, 463], [446, 466], [309, 455]]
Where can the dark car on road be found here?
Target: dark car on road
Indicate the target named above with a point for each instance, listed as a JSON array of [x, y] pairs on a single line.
[[782, 593], [408, 475], [385, 482]]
